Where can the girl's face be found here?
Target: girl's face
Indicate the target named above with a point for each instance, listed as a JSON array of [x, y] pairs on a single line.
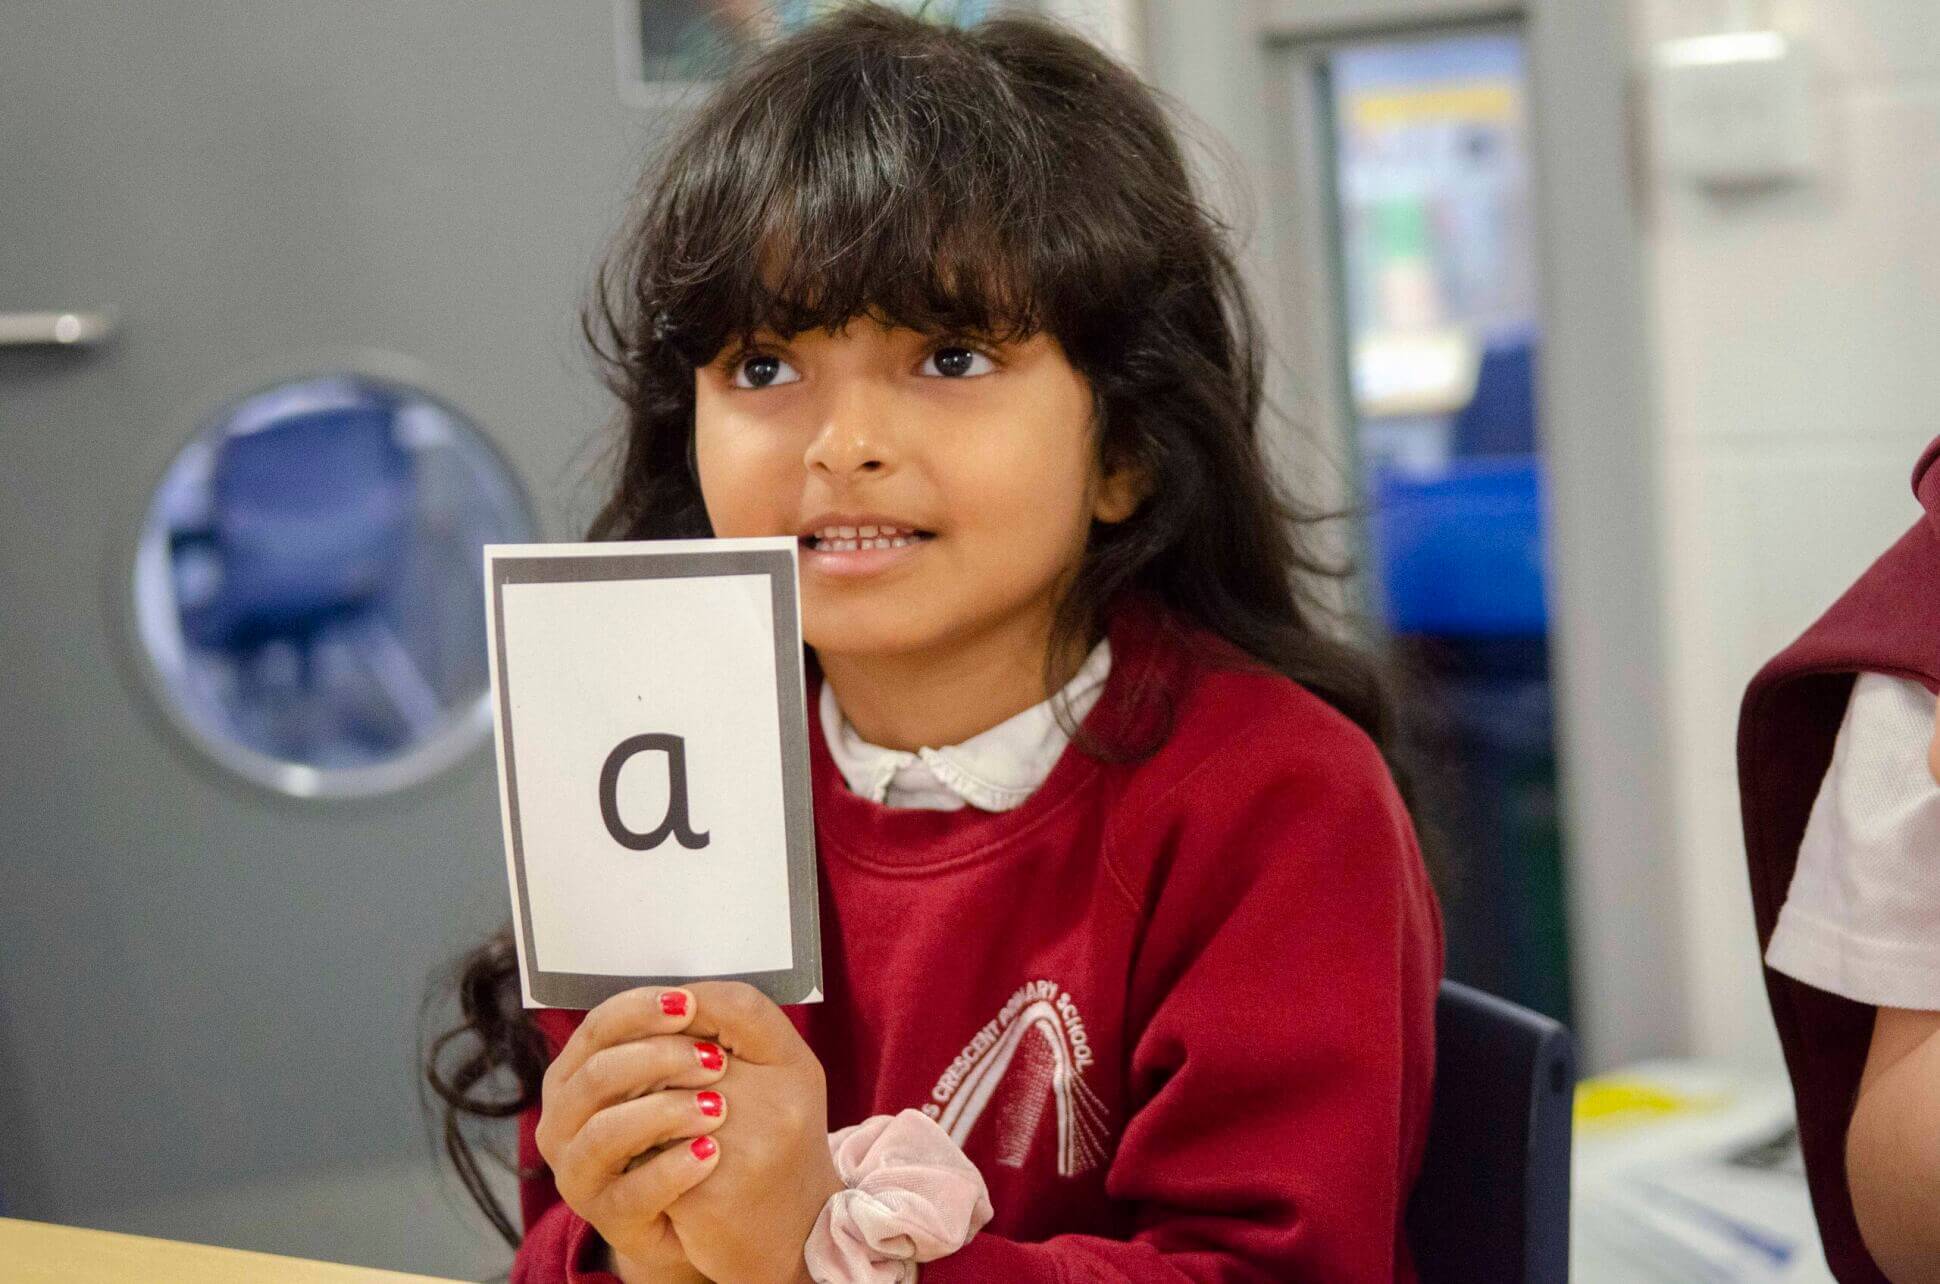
[[942, 489]]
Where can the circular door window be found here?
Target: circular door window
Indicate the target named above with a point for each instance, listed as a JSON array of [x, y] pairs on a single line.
[[307, 586]]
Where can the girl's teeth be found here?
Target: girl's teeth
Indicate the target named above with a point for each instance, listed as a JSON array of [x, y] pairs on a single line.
[[850, 539], [826, 545]]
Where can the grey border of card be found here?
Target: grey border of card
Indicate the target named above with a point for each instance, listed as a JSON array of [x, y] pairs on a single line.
[[792, 985]]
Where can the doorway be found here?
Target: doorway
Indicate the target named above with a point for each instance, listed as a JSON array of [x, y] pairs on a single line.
[[1457, 253], [1435, 246]]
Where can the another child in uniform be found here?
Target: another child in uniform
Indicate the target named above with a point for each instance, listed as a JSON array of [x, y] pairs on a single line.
[[1120, 901], [1840, 774]]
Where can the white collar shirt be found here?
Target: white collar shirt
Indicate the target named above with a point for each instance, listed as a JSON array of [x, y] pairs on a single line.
[[994, 770]]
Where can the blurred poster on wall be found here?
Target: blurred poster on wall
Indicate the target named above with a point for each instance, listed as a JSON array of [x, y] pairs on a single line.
[[1438, 249]]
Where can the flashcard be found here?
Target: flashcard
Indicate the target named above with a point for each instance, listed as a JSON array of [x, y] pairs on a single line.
[[648, 705]]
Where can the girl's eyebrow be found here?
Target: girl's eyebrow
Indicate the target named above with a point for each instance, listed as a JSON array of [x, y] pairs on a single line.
[[989, 338], [737, 344]]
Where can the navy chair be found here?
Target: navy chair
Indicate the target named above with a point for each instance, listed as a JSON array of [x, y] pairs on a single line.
[[1493, 1201], [1501, 418], [313, 517]]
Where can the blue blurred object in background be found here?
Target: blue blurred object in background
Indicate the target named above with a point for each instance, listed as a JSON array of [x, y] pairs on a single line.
[[1500, 419], [1461, 552], [311, 518]]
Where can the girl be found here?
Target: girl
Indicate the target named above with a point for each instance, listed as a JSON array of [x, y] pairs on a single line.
[[1117, 888]]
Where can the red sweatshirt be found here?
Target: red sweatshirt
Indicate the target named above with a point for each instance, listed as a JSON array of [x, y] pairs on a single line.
[[1180, 1013]]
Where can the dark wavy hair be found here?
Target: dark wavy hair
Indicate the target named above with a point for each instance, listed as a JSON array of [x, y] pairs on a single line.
[[1004, 180]]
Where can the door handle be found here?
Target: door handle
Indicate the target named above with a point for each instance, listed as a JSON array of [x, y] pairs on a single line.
[[56, 329]]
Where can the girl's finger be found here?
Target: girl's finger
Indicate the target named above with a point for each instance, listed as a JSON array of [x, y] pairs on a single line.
[[745, 1021], [632, 1014], [644, 1194], [621, 1073], [618, 1135]]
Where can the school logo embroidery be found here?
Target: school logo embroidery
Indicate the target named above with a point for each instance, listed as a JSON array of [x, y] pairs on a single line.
[[1032, 1055]]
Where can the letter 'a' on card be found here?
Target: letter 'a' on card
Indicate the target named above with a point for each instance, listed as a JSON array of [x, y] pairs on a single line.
[[650, 714]]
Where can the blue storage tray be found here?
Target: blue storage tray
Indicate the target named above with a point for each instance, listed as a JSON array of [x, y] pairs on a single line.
[[1460, 554]]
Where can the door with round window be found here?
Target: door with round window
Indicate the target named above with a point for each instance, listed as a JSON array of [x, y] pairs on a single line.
[[307, 589]]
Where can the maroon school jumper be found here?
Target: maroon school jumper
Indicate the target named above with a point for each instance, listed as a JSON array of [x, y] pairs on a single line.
[[1889, 622], [1179, 1013]]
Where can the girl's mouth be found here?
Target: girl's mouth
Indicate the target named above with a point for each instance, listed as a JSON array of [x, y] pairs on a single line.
[[860, 550]]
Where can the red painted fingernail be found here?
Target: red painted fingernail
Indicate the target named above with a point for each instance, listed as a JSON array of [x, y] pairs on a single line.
[[703, 1147], [673, 1003], [709, 1102], [710, 1056]]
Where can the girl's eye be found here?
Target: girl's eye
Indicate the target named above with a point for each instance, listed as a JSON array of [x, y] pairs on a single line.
[[762, 371], [957, 362]]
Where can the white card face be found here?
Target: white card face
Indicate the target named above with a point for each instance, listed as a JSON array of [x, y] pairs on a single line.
[[653, 765]]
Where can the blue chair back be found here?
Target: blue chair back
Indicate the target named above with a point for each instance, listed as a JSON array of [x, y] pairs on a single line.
[[313, 516], [1501, 418], [1493, 1201]]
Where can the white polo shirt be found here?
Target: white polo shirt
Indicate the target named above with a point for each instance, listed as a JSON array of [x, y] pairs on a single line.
[[1862, 917]]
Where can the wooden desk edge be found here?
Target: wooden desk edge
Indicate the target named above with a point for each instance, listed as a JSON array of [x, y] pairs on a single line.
[[42, 1251]]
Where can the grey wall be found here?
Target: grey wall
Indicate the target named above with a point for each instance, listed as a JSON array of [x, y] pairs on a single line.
[[209, 995]]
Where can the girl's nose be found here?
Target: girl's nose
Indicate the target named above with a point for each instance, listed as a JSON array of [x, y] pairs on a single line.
[[852, 440]]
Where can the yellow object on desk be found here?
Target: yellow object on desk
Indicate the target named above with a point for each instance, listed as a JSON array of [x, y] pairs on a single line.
[[32, 1252]]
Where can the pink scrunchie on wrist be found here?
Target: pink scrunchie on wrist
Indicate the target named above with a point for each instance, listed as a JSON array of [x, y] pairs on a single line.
[[912, 1197]]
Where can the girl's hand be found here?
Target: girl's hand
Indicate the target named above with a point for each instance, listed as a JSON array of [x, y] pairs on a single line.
[[601, 1120], [748, 1223]]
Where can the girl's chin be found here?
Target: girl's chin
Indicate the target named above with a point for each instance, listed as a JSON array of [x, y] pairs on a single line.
[[852, 630]]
